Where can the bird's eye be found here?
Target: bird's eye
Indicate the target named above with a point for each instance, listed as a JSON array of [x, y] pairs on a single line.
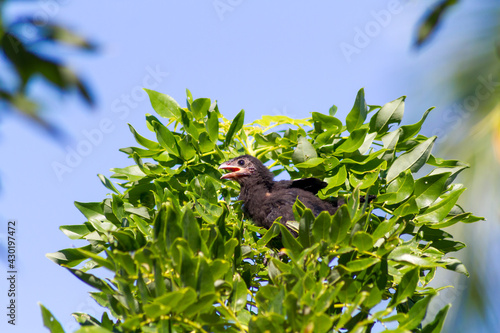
[[241, 162]]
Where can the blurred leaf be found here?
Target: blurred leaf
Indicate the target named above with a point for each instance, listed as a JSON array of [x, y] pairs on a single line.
[[432, 20]]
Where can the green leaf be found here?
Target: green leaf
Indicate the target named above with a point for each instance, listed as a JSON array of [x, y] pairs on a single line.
[[310, 163], [324, 122], [164, 105], [239, 294], [429, 188], [205, 144], [455, 265], [412, 160], [321, 227], [304, 151], [407, 208], [446, 245], [270, 234], [91, 210], [71, 257], [390, 113], [212, 126], [353, 142], [398, 190], [406, 287], [235, 127], [450, 221], [191, 230], [357, 115], [361, 264], [362, 241], [292, 246], [189, 97], [187, 148], [75, 231], [166, 138], [437, 324], [143, 141], [200, 107], [338, 179], [108, 184], [409, 131], [50, 321], [132, 173], [91, 280], [453, 170], [305, 226], [417, 313], [341, 222], [438, 211]]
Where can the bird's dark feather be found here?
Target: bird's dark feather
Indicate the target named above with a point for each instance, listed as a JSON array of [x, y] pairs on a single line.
[[265, 200], [313, 185]]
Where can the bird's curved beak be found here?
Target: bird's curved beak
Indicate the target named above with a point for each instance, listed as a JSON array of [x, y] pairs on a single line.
[[235, 173]]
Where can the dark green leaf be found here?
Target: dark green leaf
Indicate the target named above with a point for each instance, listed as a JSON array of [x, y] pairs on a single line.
[[432, 20], [438, 211], [406, 287], [341, 223], [437, 324], [429, 188], [417, 313]]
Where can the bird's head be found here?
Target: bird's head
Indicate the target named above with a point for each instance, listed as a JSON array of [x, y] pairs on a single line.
[[246, 167]]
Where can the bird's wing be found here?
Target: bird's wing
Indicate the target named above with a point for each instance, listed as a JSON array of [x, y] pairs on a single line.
[[313, 185]]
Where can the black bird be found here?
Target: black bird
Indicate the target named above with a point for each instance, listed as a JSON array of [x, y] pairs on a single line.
[[264, 200]]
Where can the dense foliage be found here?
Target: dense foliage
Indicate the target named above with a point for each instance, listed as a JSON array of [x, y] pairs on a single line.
[[183, 257]]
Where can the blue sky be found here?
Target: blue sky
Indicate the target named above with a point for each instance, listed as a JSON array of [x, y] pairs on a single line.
[[280, 57]]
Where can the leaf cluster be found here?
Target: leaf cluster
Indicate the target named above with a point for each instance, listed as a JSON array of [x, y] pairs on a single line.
[[30, 47], [183, 257]]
